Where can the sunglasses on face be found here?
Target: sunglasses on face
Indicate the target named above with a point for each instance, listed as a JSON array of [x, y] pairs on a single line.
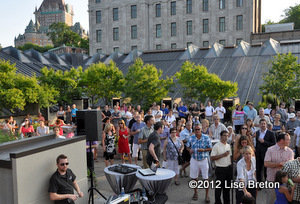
[[243, 128], [62, 164], [197, 129]]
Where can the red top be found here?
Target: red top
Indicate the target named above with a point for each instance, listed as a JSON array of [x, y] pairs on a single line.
[[25, 130]]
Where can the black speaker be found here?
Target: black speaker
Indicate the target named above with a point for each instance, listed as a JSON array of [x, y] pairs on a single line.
[[89, 123]]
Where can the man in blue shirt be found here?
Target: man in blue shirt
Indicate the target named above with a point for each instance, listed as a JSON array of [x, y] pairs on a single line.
[[164, 110], [252, 113], [135, 129], [73, 113], [199, 146], [183, 111]]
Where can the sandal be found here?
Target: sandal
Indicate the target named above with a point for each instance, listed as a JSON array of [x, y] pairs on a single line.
[[177, 183], [195, 196]]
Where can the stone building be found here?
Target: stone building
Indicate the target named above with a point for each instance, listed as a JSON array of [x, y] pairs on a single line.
[[124, 25], [50, 11]]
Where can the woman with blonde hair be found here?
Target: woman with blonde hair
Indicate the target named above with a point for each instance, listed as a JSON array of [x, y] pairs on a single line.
[[205, 127], [108, 141]]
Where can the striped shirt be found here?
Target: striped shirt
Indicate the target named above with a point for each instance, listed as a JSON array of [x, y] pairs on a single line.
[[204, 142]]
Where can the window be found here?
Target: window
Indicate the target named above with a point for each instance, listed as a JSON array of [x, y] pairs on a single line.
[[239, 3], [205, 5], [99, 35], [239, 22], [116, 34], [173, 46], [158, 47], [238, 41], [222, 24], [205, 26], [134, 47], [173, 29], [134, 32], [173, 8], [222, 42], [158, 30], [133, 11], [221, 4], [188, 44], [158, 10], [98, 16], [189, 29], [205, 43], [188, 6], [115, 14], [116, 49], [98, 1], [99, 50]]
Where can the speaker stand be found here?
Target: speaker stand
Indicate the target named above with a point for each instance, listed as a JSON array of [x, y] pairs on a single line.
[[92, 188]]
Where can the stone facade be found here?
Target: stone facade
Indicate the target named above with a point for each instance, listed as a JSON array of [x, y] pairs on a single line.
[[50, 11], [188, 20]]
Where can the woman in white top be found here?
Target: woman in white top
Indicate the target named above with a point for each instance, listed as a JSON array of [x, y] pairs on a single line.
[[7, 127], [175, 110], [170, 117], [246, 172], [42, 129], [128, 115]]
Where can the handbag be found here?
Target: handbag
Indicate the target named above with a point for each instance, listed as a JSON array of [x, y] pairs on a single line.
[[180, 158]]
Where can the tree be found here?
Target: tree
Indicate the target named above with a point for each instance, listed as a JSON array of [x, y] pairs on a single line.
[[38, 48], [102, 81], [197, 84], [17, 90], [144, 84], [61, 34], [66, 83], [283, 78], [292, 14]]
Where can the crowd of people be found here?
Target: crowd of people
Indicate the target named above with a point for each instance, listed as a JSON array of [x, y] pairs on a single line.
[[198, 140]]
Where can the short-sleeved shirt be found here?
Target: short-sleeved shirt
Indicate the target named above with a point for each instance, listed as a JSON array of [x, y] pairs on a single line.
[[166, 133], [218, 109], [183, 109], [293, 170], [277, 155], [216, 131], [209, 111], [155, 140], [134, 128], [204, 142], [62, 184], [258, 118], [156, 113], [165, 112], [73, 112], [106, 113], [144, 134], [251, 114], [42, 131], [219, 149], [297, 133], [241, 115]]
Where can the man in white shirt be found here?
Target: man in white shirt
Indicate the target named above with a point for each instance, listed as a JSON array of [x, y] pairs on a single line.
[[221, 153], [217, 128], [209, 111], [268, 109], [157, 113], [220, 110]]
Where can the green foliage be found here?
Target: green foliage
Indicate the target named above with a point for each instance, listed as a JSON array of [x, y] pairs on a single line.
[[292, 15], [102, 81], [269, 99], [196, 83], [38, 48], [17, 90], [61, 34], [64, 83], [143, 84], [282, 79]]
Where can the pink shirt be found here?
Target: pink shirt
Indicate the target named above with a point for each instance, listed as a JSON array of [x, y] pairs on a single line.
[[276, 154]]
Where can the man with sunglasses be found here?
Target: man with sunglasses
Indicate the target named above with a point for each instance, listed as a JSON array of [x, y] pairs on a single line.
[[63, 182]]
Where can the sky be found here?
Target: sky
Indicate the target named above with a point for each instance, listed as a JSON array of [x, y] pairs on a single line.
[[16, 14]]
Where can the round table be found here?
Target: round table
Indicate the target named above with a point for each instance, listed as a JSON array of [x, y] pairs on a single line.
[[69, 130], [118, 180], [158, 183]]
